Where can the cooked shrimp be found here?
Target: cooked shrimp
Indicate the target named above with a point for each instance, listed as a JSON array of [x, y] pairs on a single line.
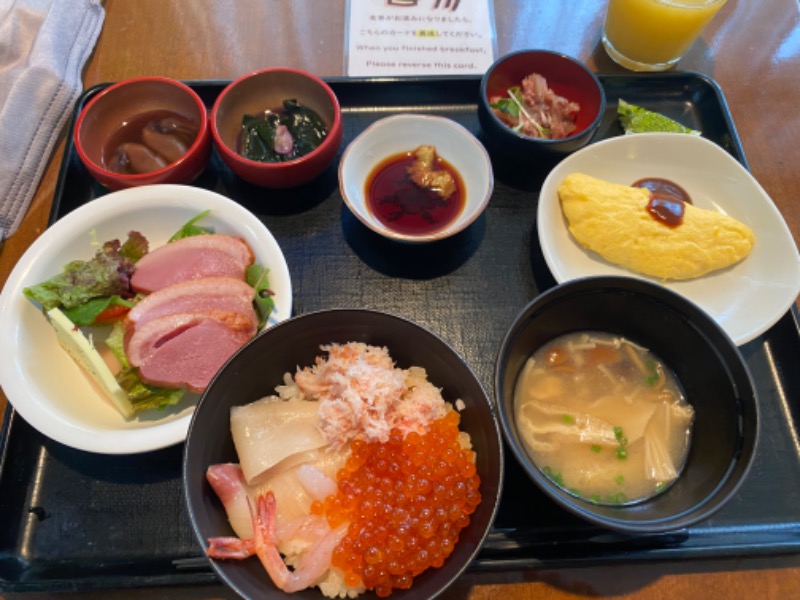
[[230, 548], [313, 564]]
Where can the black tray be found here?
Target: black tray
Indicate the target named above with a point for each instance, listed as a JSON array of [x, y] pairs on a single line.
[[76, 521]]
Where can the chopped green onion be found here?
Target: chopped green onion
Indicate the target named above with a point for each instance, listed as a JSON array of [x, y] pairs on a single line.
[[596, 449], [617, 498]]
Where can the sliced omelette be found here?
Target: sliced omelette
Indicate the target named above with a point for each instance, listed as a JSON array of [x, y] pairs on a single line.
[[613, 220]]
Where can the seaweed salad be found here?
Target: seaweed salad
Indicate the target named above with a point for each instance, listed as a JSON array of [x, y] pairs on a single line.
[[283, 134]]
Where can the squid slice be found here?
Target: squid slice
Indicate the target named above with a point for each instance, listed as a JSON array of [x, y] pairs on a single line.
[[270, 430]]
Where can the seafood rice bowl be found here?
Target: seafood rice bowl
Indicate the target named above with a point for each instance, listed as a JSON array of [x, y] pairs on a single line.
[[343, 453]]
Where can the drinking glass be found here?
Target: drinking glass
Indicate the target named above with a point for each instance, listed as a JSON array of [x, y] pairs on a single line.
[[653, 35]]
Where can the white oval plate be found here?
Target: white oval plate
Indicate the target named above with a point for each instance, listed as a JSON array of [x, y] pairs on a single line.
[[42, 382], [745, 299]]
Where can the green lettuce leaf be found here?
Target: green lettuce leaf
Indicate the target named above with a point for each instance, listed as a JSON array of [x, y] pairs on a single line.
[[143, 396], [191, 228], [107, 274]]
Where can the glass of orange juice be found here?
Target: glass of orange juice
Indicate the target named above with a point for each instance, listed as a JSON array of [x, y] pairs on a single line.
[[652, 35]]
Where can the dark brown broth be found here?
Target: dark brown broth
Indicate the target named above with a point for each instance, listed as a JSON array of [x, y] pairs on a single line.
[[131, 132]]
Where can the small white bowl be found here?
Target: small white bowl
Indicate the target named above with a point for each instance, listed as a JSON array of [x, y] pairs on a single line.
[[404, 133], [43, 383]]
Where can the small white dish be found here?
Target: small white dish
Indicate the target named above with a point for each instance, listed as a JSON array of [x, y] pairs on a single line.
[[42, 382], [745, 299], [404, 133]]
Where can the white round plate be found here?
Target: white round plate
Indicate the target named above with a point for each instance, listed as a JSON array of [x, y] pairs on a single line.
[[745, 299], [42, 382]]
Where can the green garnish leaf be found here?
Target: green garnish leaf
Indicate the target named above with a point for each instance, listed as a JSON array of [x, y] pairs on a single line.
[[620, 479], [596, 449], [635, 119], [506, 105], [622, 454], [258, 278], [191, 228], [568, 419], [618, 433]]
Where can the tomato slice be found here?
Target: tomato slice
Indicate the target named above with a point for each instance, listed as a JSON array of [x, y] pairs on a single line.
[[110, 314]]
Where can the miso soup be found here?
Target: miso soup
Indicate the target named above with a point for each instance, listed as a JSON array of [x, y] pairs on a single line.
[[603, 417]]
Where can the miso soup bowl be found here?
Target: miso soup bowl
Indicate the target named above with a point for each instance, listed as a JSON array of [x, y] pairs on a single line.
[[706, 362], [115, 105], [263, 90]]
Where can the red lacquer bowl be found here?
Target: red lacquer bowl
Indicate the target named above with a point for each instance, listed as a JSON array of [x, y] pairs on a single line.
[[118, 104], [267, 89], [566, 76]]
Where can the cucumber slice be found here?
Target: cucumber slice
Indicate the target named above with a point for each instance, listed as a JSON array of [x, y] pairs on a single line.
[[83, 352]]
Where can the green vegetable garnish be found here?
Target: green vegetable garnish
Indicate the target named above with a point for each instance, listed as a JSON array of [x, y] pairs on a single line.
[[617, 498], [514, 107], [596, 449], [622, 453], [635, 119], [568, 419], [258, 278], [653, 375], [620, 479], [190, 228]]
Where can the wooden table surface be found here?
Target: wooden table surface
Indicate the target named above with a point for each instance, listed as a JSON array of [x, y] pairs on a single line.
[[752, 49]]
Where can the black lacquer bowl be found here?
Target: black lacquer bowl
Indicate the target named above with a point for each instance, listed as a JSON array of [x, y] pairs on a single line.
[[706, 362], [255, 371]]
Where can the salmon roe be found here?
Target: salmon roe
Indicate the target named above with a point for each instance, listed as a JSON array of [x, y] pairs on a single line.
[[406, 501]]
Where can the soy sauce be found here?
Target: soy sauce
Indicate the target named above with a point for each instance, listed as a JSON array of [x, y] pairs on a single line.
[[406, 208], [667, 200]]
